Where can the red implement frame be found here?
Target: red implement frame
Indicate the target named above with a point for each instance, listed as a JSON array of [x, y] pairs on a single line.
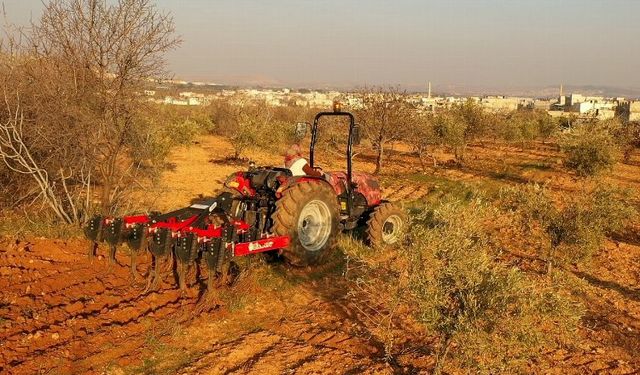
[[180, 227]]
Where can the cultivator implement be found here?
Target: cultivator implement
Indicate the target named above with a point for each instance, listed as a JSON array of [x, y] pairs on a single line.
[[204, 231]]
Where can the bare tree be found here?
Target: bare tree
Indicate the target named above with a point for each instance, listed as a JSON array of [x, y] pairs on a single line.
[[17, 156], [385, 115], [75, 79], [422, 137]]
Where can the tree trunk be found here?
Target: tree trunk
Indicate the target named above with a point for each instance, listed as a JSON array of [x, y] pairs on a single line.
[[422, 164], [441, 356], [459, 154], [109, 182], [550, 261], [379, 155]]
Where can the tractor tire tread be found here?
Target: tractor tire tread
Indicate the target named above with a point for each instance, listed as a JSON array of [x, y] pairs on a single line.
[[285, 220], [375, 222]]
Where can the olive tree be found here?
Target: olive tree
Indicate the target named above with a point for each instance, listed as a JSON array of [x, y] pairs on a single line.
[[522, 127], [626, 135], [548, 127], [486, 315], [460, 125], [573, 229], [450, 129], [493, 314], [422, 137], [589, 148]]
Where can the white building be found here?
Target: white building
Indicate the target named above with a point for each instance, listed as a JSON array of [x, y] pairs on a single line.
[[587, 106]]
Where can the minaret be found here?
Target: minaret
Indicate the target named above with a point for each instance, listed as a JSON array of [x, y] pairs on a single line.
[[429, 91]]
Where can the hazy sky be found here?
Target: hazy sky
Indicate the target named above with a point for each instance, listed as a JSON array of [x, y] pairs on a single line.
[[472, 43]]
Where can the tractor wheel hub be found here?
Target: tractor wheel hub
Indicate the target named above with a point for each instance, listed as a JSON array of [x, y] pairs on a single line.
[[392, 229], [314, 225]]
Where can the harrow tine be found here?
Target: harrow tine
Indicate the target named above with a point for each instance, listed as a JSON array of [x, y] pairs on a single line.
[[169, 260], [217, 267], [182, 276], [224, 274], [93, 232], [211, 280], [112, 254], [160, 248], [93, 247], [134, 270], [113, 234], [211, 258], [136, 240], [185, 249], [218, 264], [153, 278]]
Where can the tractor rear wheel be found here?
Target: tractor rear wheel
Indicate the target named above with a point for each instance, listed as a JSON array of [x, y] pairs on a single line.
[[309, 214], [386, 225]]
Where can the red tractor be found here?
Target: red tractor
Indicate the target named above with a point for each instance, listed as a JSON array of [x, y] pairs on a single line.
[[263, 209]]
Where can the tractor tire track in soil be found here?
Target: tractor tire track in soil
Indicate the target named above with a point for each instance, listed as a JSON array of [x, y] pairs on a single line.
[[407, 191], [309, 335], [60, 312], [269, 352]]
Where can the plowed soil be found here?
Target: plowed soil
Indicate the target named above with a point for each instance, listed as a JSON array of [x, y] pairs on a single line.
[[59, 311], [62, 314]]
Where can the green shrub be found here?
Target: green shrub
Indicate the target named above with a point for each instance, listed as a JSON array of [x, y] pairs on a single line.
[[182, 132], [573, 229], [548, 126], [491, 313], [19, 225], [627, 136], [487, 316], [590, 149]]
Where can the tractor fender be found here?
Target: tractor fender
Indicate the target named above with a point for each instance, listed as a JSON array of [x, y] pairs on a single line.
[[366, 186], [291, 181]]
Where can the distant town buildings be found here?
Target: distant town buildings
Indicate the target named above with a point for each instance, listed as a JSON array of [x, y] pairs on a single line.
[[585, 106], [571, 105], [629, 110]]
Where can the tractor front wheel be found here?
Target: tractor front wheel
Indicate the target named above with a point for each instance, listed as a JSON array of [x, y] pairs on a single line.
[[386, 225], [309, 214]]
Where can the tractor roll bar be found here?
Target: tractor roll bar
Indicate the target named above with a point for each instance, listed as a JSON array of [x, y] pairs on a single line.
[[314, 138]]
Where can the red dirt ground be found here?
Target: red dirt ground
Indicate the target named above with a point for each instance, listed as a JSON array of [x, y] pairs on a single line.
[[60, 313]]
